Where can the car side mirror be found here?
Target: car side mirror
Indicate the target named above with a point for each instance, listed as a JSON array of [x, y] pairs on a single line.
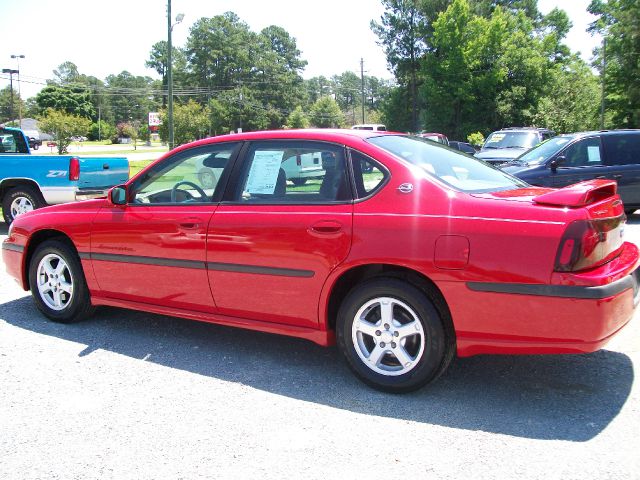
[[118, 195], [556, 162]]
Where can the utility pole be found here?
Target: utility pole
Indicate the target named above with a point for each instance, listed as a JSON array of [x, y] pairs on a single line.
[[170, 26], [17, 58], [362, 85], [604, 69], [169, 78], [11, 72]]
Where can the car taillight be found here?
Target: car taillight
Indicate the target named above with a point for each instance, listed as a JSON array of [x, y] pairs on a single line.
[[298, 160], [589, 243], [74, 169]]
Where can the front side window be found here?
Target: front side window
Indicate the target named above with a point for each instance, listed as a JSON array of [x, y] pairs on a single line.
[[293, 172], [459, 171], [191, 176], [583, 153]]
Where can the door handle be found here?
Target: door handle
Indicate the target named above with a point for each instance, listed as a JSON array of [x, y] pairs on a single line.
[[326, 227], [105, 166], [190, 223], [617, 177]]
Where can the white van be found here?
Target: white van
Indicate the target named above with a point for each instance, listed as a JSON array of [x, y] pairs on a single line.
[[378, 127]]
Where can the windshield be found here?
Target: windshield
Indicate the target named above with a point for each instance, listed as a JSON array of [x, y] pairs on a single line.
[[511, 140], [544, 151], [459, 171]]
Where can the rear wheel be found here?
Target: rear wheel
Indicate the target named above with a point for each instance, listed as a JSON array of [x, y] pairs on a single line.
[[20, 200], [392, 335], [57, 283]]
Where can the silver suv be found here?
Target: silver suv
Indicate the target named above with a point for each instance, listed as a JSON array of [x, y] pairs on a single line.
[[504, 145]]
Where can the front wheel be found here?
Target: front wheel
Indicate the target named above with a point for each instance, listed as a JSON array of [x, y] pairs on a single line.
[[20, 200], [57, 283], [392, 335]]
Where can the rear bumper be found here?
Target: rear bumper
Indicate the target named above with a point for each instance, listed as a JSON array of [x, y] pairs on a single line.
[[499, 318], [90, 194], [56, 195]]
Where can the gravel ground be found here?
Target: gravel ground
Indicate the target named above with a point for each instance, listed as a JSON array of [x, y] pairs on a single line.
[[134, 395]]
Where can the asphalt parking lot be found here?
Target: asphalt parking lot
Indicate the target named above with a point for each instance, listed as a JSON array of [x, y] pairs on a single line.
[[135, 395]]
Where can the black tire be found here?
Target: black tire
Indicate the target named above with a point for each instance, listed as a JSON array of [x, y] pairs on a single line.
[[74, 306], [298, 182], [411, 309], [629, 211], [23, 195]]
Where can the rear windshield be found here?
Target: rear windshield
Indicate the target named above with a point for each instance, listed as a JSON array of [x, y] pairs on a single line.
[[459, 171], [512, 140], [545, 151]]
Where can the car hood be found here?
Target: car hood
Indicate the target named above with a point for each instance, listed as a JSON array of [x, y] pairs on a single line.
[[500, 153]]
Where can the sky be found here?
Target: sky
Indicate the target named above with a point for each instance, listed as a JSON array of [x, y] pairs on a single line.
[[104, 38]]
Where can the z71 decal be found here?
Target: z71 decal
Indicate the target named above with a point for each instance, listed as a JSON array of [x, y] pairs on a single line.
[[56, 173]]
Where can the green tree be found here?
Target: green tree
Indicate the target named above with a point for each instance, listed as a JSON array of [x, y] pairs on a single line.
[[101, 131], [158, 61], [298, 119], [401, 32], [62, 126], [75, 100], [619, 23], [572, 101], [326, 113], [130, 96], [6, 107], [191, 122]]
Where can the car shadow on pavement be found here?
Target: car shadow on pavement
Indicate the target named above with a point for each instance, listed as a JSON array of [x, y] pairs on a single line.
[[554, 397]]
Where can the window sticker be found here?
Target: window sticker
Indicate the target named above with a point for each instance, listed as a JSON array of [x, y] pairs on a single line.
[[593, 152], [496, 137], [264, 172]]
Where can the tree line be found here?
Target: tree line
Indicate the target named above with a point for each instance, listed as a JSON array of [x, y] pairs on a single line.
[[459, 66], [226, 77], [464, 66]]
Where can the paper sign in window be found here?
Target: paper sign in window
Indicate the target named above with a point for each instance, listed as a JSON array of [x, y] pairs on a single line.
[[593, 153], [264, 172]]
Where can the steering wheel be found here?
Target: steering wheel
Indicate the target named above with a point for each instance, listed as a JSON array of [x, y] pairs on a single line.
[[174, 191]]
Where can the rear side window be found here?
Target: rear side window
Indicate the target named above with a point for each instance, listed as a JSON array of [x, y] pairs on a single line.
[[12, 141], [369, 176], [622, 149]]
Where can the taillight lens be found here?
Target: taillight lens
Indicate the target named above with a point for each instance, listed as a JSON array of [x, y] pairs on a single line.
[[589, 243], [298, 160], [74, 169]]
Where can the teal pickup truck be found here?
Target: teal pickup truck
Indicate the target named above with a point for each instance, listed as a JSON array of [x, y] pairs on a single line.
[[30, 181]]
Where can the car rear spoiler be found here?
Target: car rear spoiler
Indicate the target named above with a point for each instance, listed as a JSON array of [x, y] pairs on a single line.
[[579, 194]]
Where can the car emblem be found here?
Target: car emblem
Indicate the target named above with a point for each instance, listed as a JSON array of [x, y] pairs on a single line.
[[406, 188]]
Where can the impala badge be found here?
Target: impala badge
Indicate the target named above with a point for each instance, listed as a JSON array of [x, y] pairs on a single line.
[[406, 188]]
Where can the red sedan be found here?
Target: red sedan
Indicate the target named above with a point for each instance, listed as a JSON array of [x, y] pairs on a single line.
[[405, 252]]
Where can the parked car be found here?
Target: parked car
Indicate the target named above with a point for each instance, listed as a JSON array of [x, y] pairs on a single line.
[[31, 181], [463, 147], [302, 167], [576, 157], [376, 127], [431, 254], [509, 143], [435, 137]]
